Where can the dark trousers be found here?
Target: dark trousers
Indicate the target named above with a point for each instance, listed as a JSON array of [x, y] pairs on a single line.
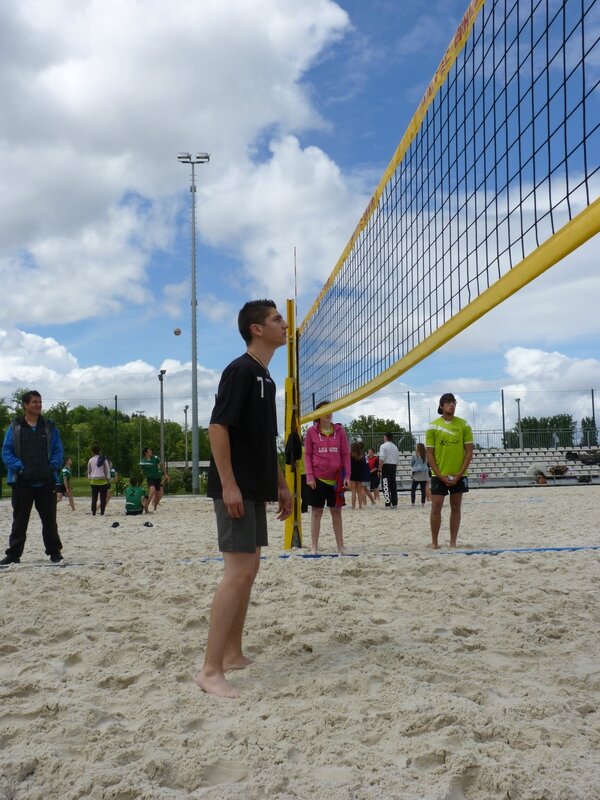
[[413, 491], [99, 491], [23, 499], [388, 485]]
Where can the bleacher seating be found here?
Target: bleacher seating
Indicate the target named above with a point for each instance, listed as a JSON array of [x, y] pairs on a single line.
[[509, 467]]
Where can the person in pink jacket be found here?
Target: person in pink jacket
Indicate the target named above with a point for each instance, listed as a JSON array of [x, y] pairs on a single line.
[[327, 464]]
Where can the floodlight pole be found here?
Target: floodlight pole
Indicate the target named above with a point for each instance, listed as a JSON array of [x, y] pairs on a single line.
[[161, 375], [140, 413], [518, 402], [199, 158], [185, 410]]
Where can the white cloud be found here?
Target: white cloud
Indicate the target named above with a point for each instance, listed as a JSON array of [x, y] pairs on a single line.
[[33, 362], [216, 310], [537, 369], [298, 198], [99, 97]]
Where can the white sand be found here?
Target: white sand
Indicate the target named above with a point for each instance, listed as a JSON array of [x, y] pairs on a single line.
[[433, 676]]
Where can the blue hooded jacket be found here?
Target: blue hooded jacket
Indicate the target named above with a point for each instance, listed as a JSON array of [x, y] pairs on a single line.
[[11, 449]]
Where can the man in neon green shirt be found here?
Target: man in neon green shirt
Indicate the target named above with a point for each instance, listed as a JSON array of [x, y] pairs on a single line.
[[449, 442]]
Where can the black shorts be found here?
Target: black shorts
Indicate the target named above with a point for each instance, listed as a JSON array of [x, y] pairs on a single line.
[[61, 488], [243, 534], [134, 513], [323, 493], [155, 482], [374, 482], [439, 487]]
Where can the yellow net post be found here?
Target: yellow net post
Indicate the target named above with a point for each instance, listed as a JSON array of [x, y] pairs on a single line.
[[293, 524]]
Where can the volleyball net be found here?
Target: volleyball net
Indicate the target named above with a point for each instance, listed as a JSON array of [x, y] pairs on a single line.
[[495, 180]]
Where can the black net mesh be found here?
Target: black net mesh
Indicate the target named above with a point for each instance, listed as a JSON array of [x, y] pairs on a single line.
[[507, 154]]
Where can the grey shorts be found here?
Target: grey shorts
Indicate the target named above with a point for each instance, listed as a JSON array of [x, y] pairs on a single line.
[[245, 534]]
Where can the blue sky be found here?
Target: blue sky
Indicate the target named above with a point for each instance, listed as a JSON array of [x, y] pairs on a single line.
[[300, 106]]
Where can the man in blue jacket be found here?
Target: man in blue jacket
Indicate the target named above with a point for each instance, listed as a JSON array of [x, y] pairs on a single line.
[[33, 454]]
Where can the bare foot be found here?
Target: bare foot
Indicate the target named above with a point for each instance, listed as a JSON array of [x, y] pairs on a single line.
[[341, 552], [433, 546], [452, 544], [240, 662], [216, 684], [313, 553]]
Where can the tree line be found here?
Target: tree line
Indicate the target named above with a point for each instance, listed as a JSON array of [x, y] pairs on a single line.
[[559, 430], [117, 433]]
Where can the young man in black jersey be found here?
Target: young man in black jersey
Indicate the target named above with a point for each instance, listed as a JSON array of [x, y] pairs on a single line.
[[244, 475]]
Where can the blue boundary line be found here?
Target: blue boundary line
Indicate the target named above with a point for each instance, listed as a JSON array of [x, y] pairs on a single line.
[[565, 549], [310, 556]]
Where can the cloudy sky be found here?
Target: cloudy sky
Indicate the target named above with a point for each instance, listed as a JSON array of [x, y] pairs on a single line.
[[301, 106]]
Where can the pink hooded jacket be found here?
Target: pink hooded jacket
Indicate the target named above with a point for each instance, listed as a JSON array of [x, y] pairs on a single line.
[[324, 455]]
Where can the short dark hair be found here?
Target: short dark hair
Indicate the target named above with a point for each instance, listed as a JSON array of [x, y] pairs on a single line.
[[254, 312], [145, 450], [28, 395], [319, 405], [388, 435], [96, 449], [448, 397]]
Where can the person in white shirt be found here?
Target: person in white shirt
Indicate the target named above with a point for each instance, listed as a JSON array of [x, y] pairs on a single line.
[[388, 463]]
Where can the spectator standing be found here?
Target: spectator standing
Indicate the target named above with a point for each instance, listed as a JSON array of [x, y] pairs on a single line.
[[449, 441], [98, 471], [33, 453], [388, 464], [373, 462], [327, 464], [64, 487], [420, 474], [357, 462]]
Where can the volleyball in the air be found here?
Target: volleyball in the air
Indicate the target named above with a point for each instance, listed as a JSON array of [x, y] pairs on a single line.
[[177, 331]]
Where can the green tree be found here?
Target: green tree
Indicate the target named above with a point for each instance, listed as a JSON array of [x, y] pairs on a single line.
[[18, 399], [538, 433], [370, 430], [5, 416], [589, 432], [61, 416]]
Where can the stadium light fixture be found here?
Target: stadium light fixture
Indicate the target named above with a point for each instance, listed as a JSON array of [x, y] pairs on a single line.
[[193, 161]]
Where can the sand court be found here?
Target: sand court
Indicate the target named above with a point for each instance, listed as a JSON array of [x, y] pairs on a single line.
[[398, 673]]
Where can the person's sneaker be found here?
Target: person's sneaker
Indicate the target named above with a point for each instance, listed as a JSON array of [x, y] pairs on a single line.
[[8, 560], [56, 558]]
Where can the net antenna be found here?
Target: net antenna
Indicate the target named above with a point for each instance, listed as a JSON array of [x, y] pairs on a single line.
[[295, 282], [495, 180]]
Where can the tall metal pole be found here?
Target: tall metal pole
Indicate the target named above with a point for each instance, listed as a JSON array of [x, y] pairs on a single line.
[[199, 158], [115, 453], [139, 413], [195, 453], [518, 402], [185, 410], [161, 375]]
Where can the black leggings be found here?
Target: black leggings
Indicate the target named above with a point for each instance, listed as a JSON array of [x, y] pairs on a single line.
[[413, 491], [102, 491]]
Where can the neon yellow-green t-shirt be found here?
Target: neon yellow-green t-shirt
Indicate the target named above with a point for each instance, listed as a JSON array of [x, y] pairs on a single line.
[[448, 440]]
